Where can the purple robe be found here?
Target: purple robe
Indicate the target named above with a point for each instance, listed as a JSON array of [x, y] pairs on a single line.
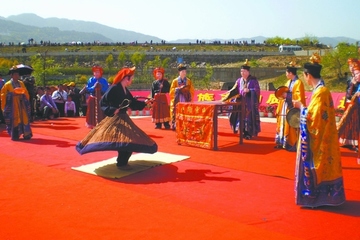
[[251, 98]]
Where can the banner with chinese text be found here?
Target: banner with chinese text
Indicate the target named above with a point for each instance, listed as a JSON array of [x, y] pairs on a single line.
[[194, 124], [266, 97]]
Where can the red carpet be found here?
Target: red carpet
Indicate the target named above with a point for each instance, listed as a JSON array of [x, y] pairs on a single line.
[[239, 192]]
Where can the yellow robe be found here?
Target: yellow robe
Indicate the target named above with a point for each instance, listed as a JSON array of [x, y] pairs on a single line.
[[287, 136], [8, 87], [174, 84], [16, 108], [318, 163]]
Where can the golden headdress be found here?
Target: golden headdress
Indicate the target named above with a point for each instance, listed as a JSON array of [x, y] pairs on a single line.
[[292, 63], [246, 65], [291, 68], [315, 58], [13, 69], [313, 67], [181, 67]]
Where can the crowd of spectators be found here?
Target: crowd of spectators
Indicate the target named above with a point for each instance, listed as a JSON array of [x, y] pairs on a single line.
[[64, 100]]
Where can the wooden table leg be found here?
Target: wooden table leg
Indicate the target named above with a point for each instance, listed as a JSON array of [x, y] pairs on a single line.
[[215, 128], [241, 121]]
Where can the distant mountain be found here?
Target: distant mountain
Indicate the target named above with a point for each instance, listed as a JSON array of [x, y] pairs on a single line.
[[115, 35], [336, 40], [15, 32], [20, 28]]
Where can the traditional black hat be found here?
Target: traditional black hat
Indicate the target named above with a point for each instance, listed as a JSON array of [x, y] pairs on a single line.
[[246, 65], [291, 68], [181, 67], [313, 67]]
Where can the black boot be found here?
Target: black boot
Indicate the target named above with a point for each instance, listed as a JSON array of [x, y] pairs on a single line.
[[166, 125], [15, 134], [247, 135], [123, 158]]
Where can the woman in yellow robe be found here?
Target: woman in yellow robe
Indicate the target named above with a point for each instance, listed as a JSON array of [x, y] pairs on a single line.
[[181, 90], [16, 107], [287, 136], [319, 179]]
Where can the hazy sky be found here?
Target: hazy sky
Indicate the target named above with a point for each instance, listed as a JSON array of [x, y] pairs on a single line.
[[210, 19]]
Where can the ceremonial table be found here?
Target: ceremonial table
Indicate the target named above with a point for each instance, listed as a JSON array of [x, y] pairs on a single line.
[[197, 122]]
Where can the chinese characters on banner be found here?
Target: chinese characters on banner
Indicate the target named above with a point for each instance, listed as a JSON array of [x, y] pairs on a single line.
[[266, 98]]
